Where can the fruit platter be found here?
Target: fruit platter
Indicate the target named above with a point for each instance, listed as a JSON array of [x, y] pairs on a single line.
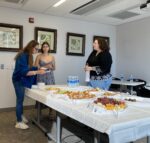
[[107, 105]]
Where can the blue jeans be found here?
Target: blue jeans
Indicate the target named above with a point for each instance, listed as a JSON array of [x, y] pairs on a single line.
[[20, 92], [103, 84]]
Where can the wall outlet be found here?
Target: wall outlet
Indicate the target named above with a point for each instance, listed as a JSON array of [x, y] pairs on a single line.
[[1, 66]]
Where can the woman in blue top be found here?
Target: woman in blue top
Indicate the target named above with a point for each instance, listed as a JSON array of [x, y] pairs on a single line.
[[24, 76]]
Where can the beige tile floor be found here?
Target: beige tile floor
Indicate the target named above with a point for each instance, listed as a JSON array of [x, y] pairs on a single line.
[[8, 134]]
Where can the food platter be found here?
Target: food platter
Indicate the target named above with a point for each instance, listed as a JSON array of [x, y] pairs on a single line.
[[72, 96], [52, 89], [110, 103], [105, 105], [110, 93], [96, 91]]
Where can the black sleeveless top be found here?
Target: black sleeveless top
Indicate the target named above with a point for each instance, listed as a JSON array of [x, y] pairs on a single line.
[[102, 62]]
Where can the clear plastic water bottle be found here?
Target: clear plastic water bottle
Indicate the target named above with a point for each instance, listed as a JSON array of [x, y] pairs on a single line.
[[73, 81], [69, 81], [122, 77], [78, 81], [131, 78]]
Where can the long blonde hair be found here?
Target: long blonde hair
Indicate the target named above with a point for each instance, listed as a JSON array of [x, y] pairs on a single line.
[[28, 49]]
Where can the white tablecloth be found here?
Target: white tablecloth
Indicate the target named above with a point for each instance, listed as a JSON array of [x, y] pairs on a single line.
[[132, 124]]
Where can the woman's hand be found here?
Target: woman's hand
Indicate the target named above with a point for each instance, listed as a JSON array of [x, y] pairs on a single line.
[[31, 73], [88, 68], [41, 71], [48, 66]]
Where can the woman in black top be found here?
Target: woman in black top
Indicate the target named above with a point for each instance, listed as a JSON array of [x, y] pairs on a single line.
[[99, 64]]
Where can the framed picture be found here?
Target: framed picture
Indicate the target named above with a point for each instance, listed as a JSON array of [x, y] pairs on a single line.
[[47, 35], [11, 37], [103, 37], [75, 44]]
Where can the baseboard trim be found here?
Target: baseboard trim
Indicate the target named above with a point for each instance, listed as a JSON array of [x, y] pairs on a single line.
[[14, 108]]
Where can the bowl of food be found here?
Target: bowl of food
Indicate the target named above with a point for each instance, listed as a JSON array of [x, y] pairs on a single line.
[[41, 85]]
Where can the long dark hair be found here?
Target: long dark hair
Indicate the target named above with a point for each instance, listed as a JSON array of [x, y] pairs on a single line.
[[103, 45], [45, 43], [28, 49]]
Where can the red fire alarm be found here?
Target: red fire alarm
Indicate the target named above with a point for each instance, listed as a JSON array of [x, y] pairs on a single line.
[[31, 20]]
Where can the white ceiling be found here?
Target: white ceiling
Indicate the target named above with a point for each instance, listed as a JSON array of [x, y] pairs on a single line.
[[100, 15]]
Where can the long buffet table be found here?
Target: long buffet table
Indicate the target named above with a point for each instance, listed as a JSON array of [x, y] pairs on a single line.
[[129, 125]]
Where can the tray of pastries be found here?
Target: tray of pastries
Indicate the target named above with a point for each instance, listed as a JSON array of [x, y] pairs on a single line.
[[80, 95], [110, 93]]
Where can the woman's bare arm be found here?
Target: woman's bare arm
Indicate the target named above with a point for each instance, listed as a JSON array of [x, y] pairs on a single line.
[[31, 73], [37, 61]]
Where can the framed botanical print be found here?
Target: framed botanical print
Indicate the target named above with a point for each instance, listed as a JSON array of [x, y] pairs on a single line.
[[75, 44], [11, 37], [47, 35]]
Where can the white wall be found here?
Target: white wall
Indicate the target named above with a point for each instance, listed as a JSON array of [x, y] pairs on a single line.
[[65, 65], [133, 49]]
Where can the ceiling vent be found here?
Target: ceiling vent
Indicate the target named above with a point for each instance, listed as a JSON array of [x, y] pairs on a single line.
[[14, 1], [90, 6], [124, 15]]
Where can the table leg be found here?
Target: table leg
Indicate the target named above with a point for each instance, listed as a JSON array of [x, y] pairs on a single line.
[[121, 88], [148, 139], [131, 91], [37, 121], [59, 129], [96, 137], [38, 112]]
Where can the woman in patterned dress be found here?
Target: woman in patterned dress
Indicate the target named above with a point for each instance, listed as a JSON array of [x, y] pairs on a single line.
[[46, 61]]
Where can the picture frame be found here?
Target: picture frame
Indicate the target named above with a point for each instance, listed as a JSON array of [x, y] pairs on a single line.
[[75, 44], [47, 35], [11, 37], [107, 39]]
